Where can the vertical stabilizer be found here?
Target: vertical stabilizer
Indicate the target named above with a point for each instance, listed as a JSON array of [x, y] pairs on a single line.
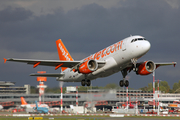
[[63, 53], [23, 102]]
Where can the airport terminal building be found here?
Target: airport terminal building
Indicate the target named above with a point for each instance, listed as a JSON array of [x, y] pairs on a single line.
[[10, 97]]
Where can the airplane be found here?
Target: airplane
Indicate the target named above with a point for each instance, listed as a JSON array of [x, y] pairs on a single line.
[[121, 56], [24, 104], [40, 109], [1, 107]]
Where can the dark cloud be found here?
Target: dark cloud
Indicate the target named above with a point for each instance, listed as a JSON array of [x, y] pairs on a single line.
[[94, 24], [92, 27], [10, 14]]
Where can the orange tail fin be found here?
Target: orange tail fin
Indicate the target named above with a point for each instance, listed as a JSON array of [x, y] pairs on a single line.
[[23, 102], [63, 53]]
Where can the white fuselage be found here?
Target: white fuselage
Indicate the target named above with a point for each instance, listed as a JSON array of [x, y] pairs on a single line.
[[117, 57], [34, 105]]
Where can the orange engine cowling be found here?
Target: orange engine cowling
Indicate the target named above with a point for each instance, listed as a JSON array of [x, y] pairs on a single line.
[[146, 68], [88, 67]]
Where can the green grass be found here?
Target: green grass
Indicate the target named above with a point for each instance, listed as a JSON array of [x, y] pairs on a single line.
[[16, 118], [80, 117], [55, 118], [154, 117]]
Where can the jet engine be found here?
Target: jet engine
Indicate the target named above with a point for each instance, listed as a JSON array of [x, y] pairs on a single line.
[[88, 67], [146, 68]]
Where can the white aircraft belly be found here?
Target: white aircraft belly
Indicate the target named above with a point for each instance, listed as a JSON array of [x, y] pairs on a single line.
[[71, 76]]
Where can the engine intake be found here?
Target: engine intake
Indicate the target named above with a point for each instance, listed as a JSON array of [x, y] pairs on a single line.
[[88, 67], [146, 68]]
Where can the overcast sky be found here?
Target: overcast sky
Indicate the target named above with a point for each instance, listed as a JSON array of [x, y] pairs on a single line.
[[29, 29]]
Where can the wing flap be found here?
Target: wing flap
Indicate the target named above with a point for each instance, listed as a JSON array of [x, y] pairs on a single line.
[[48, 74]]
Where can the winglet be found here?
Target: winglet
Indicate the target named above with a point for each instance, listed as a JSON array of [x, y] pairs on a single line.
[[5, 60], [174, 64]]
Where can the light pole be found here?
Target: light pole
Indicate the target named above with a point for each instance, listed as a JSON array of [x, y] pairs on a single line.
[[61, 85], [158, 95], [76, 96], [127, 98], [154, 90]]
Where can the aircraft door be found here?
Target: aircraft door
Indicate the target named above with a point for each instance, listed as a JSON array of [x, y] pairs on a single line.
[[124, 45]]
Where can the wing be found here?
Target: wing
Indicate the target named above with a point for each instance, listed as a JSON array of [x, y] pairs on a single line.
[[131, 65], [164, 64], [54, 63]]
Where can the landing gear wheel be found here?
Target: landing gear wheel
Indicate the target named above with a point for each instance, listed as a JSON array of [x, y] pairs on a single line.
[[121, 83], [135, 69], [83, 83], [126, 83], [88, 83]]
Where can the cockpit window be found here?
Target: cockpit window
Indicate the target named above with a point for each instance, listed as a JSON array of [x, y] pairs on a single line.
[[134, 40], [140, 39]]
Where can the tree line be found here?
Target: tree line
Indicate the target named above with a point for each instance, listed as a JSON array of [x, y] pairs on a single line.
[[163, 87]]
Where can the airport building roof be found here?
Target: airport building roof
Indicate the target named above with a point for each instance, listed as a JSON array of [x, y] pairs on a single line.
[[6, 83], [7, 87]]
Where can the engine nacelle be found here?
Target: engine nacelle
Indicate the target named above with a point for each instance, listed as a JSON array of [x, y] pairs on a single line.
[[88, 67], [146, 68]]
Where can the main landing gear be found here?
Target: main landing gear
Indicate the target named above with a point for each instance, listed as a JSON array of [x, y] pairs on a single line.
[[124, 73], [85, 82], [124, 82]]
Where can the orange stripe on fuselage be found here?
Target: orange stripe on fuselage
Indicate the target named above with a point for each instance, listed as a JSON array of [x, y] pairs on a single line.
[[105, 52]]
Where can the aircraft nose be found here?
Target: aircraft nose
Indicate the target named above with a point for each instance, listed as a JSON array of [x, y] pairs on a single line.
[[146, 45]]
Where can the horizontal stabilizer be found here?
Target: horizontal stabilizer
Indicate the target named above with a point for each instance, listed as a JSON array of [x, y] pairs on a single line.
[[48, 74]]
